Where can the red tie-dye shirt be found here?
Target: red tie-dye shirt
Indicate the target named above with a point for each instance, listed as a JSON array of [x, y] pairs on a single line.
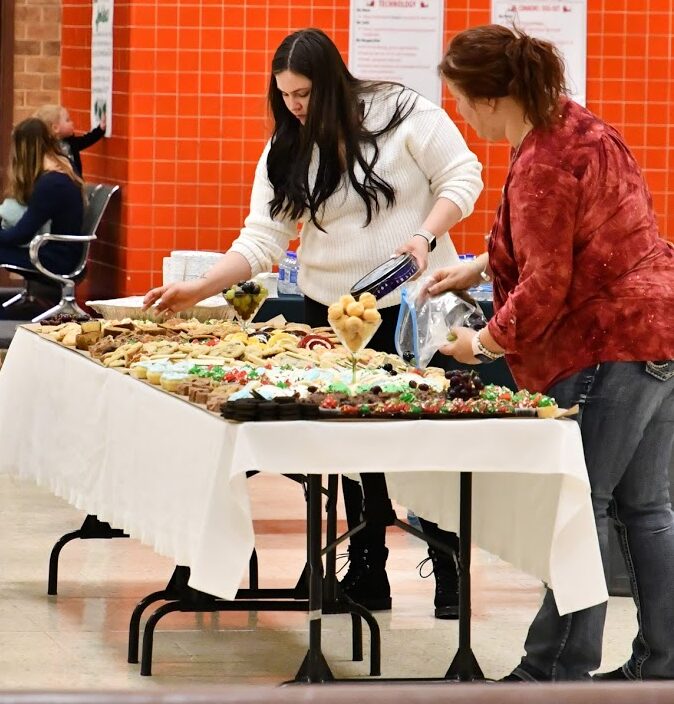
[[581, 275]]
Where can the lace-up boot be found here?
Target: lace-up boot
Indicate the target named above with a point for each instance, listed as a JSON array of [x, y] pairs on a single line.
[[366, 582]]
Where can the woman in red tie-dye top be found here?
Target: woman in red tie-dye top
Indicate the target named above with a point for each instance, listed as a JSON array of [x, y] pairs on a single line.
[[584, 305]]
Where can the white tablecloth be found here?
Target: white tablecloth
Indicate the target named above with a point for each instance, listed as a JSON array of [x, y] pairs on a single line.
[[173, 475]]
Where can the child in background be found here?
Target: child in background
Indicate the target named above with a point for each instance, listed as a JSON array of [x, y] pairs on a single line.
[[58, 120]]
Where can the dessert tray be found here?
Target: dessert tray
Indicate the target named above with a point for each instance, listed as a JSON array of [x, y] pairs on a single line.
[[287, 371], [132, 307]]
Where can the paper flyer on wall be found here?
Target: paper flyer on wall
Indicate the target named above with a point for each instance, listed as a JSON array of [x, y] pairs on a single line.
[[101, 63], [398, 40], [562, 23]]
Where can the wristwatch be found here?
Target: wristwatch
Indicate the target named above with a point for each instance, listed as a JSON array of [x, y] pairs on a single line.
[[428, 236]]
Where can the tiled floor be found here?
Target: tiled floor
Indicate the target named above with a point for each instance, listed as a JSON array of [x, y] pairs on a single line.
[[78, 639]]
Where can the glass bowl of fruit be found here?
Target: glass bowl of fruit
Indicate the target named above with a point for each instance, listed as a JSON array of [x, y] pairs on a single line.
[[246, 298]]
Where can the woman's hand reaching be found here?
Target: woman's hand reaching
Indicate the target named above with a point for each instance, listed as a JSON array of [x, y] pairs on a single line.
[[455, 278], [175, 297]]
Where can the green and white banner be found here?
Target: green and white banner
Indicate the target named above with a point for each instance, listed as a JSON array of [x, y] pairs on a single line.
[[101, 64]]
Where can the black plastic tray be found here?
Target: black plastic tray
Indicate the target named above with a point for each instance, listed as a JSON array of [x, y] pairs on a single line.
[[329, 414]]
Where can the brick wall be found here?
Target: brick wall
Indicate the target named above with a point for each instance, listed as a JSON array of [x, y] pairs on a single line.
[[37, 55], [37, 64]]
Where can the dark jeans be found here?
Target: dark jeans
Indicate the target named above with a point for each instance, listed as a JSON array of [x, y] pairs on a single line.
[[627, 425], [18, 256], [372, 536], [52, 255]]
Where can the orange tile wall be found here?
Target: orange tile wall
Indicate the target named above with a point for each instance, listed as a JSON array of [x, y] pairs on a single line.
[[189, 113]]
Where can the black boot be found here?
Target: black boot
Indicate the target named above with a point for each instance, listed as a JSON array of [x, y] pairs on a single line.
[[446, 585], [366, 582], [445, 570]]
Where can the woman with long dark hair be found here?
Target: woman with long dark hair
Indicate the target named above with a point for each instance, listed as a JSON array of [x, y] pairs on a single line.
[[583, 300], [367, 169], [42, 181]]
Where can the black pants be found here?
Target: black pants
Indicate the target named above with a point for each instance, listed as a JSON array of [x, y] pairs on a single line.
[[372, 536]]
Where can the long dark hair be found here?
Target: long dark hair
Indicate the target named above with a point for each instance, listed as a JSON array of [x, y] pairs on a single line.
[[492, 61], [32, 141], [334, 123]]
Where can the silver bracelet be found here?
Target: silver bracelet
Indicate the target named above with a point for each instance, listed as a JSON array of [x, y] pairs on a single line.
[[479, 348]]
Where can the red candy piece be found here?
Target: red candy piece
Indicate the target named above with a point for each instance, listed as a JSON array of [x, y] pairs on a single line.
[[348, 410], [329, 402]]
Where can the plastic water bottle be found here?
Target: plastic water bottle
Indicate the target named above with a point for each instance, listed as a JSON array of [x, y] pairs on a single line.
[[287, 275], [483, 291]]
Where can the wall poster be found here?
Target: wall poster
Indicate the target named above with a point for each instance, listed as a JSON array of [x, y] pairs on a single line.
[[398, 40], [101, 63], [562, 23]]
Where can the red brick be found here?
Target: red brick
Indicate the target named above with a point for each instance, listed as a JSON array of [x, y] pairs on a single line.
[[52, 14], [38, 97], [25, 14], [42, 64], [28, 47], [51, 82], [21, 113], [51, 48], [28, 80], [45, 30]]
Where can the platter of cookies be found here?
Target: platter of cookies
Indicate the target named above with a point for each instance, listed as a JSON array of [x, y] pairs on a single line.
[[283, 371]]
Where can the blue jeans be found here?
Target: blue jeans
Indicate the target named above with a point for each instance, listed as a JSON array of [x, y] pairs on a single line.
[[627, 424]]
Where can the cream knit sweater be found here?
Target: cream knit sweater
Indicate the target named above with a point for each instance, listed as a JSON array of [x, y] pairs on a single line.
[[423, 159]]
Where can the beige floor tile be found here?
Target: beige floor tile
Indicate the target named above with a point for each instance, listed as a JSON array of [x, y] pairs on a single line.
[[78, 639]]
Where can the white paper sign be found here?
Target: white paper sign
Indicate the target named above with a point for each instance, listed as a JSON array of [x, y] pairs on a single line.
[[398, 40], [101, 63], [562, 23]]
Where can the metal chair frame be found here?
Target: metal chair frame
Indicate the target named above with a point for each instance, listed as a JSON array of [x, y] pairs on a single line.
[[98, 198]]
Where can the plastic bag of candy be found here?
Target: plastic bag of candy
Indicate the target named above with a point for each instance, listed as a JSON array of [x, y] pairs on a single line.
[[424, 321]]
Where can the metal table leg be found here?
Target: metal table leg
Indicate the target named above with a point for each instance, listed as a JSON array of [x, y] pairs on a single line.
[[464, 665], [314, 668], [92, 528]]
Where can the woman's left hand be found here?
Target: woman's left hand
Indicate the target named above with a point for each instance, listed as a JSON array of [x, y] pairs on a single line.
[[418, 248], [462, 347]]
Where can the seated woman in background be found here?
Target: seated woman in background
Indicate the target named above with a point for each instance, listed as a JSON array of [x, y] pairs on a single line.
[[43, 180]]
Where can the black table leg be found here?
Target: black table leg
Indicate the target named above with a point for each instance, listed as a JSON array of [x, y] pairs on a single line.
[[314, 668], [330, 582], [465, 666], [92, 528]]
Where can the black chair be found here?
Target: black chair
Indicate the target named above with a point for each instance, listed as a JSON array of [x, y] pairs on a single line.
[[98, 198]]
